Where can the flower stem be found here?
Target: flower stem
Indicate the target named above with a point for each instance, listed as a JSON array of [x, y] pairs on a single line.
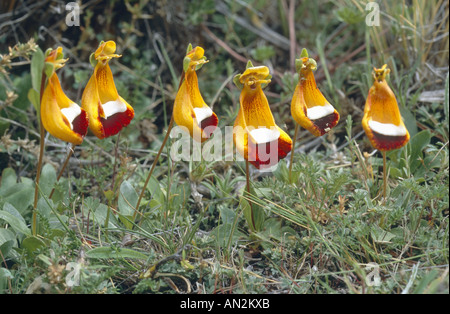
[[41, 155], [153, 166], [293, 152], [169, 128], [71, 150], [247, 171], [384, 177], [116, 148]]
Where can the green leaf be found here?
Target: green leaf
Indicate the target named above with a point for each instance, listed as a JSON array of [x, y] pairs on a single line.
[[100, 214], [92, 60], [189, 48], [350, 15], [7, 241], [410, 120], [416, 146], [6, 247], [186, 62], [4, 275], [381, 236], [37, 65], [254, 215], [263, 53], [226, 233], [32, 243], [237, 82], [48, 179], [9, 179], [33, 97], [49, 69], [110, 252], [127, 199], [298, 65], [10, 209], [304, 53], [16, 223], [20, 196]]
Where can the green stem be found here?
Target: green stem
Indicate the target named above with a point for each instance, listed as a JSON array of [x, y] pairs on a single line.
[[169, 128], [293, 152], [41, 155], [116, 148], [384, 177], [153, 167], [247, 171], [71, 150]]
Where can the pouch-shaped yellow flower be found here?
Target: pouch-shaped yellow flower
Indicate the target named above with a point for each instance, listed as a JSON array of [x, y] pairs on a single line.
[[309, 108], [190, 110], [60, 116], [382, 121], [256, 136], [108, 112]]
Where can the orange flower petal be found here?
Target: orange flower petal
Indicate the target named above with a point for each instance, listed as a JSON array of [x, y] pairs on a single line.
[[382, 121], [309, 107], [108, 112], [257, 137], [190, 110], [60, 116]]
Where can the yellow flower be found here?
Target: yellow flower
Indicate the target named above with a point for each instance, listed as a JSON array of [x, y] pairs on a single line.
[[108, 112], [257, 137], [60, 116], [382, 121], [190, 110], [309, 107]]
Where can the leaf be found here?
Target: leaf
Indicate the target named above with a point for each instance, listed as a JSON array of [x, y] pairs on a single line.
[[100, 214], [16, 223], [381, 236], [127, 203], [226, 233], [9, 179], [37, 65], [110, 252], [416, 146], [254, 215], [4, 275], [33, 97], [7, 241], [10, 209], [32, 243], [6, 247], [20, 196], [350, 15], [48, 179]]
